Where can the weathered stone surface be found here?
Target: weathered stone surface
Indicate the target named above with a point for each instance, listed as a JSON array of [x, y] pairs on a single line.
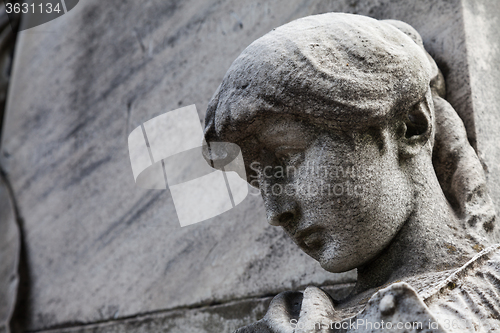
[[483, 54], [99, 248], [215, 318], [9, 257], [9, 232], [219, 318]]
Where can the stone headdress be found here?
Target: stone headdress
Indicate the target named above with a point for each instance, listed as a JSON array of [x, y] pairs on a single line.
[[336, 67]]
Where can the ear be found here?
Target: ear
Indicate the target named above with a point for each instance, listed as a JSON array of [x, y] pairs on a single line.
[[418, 127]]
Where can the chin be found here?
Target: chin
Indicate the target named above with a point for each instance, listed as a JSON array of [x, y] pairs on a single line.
[[337, 265], [343, 262], [332, 268]]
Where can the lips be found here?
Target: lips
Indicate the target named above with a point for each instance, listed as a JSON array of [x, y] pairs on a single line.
[[310, 239]]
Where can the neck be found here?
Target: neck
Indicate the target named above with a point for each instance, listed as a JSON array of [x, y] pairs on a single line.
[[432, 239]]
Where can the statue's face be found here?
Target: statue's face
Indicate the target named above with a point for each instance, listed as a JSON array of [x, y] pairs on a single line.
[[341, 196]]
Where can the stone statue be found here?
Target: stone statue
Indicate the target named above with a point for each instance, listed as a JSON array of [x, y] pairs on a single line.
[[344, 128]]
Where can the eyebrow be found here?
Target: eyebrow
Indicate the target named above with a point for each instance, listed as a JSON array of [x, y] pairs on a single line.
[[283, 131]]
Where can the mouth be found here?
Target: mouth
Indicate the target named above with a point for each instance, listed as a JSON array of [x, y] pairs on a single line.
[[311, 239]]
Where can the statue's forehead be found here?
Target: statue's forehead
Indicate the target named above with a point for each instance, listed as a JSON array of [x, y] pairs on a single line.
[[285, 130], [333, 67]]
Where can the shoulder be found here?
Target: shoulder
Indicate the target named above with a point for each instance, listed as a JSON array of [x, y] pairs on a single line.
[[469, 299]]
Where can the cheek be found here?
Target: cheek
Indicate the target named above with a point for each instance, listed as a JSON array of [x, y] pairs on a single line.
[[352, 191], [386, 203], [361, 203], [355, 181]]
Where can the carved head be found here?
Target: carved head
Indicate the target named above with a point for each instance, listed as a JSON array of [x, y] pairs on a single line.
[[335, 117]]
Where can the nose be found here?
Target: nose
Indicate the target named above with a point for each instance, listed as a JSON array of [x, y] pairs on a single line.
[[282, 214]]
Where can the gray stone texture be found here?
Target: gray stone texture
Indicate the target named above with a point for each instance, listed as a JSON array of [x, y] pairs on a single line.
[[9, 257], [483, 56], [218, 318], [225, 317], [100, 249], [9, 231]]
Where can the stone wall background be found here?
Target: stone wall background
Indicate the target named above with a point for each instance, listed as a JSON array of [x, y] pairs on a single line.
[[101, 255]]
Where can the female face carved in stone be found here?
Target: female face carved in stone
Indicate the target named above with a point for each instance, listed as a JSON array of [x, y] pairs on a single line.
[[335, 117], [341, 196]]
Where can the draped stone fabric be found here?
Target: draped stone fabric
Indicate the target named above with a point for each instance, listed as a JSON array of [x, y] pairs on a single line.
[[459, 301]]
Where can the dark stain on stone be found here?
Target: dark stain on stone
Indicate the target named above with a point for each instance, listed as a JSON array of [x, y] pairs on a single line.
[[132, 215], [86, 171], [489, 225]]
